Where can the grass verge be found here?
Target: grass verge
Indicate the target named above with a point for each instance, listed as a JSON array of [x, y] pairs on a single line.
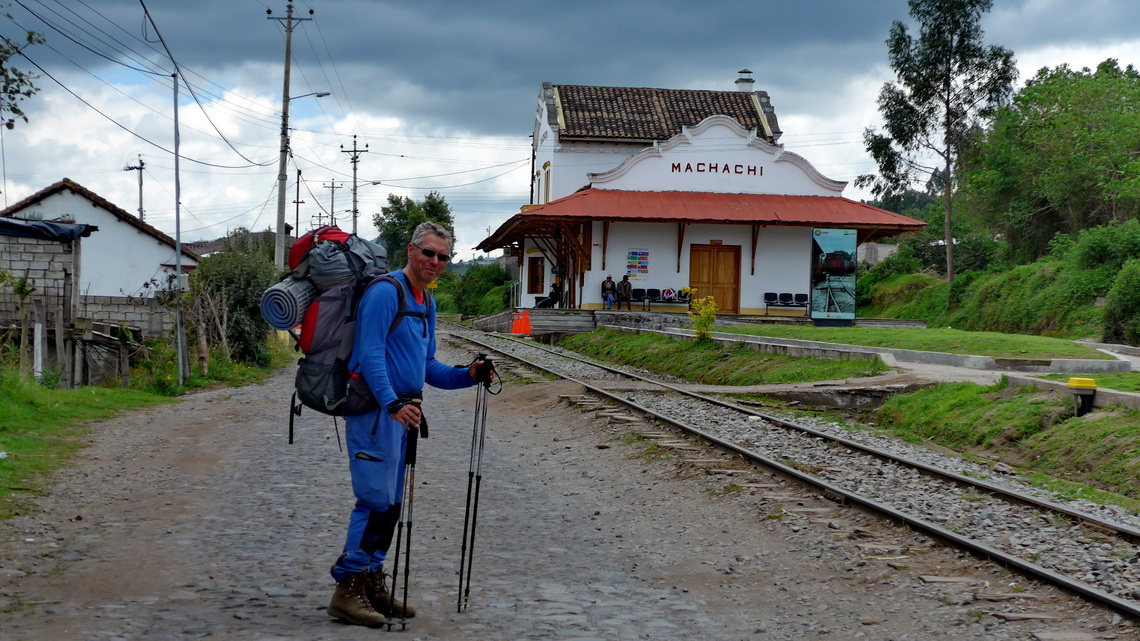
[[712, 364], [1119, 381], [1096, 456], [929, 340], [42, 428]]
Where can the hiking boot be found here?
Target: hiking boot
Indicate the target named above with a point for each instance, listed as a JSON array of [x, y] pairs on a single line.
[[350, 602], [376, 587]]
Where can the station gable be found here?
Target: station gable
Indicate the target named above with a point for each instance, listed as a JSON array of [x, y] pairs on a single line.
[[718, 155]]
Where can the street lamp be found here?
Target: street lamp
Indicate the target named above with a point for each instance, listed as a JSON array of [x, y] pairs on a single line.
[[282, 178]]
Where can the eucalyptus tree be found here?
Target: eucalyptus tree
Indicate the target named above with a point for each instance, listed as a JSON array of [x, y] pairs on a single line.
[[947, 82], [16, 85]]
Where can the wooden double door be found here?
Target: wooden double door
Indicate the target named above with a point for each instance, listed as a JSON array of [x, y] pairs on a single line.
[[715, 270]]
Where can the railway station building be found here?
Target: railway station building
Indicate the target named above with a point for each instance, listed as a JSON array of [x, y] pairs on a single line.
[[678, 189]]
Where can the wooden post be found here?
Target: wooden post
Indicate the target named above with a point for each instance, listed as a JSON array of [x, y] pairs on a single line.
[[25, 339], [203, 354], [39, 342], [81, 373], [125, 365], [61, 348]]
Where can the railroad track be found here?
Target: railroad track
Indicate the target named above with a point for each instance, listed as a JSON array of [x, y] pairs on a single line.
[[1086, 549]]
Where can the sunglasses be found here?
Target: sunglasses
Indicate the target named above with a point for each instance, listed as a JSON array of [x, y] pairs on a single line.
[[431, 253]]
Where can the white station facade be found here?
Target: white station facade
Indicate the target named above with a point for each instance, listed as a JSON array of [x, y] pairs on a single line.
[[675, 188]]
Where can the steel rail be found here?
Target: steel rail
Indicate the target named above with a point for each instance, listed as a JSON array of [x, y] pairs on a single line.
[[1130, 533], [1124, 606]]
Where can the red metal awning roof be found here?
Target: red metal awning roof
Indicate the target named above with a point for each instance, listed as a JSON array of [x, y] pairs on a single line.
[[702, 207]]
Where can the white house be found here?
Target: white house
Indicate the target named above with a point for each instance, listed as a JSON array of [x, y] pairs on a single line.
[[118, 261], [676, 188]]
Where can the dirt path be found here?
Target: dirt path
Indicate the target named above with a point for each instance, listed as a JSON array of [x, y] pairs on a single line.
[[198, 520]]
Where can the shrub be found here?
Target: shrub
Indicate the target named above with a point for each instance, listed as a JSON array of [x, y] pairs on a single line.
[[903, 261], [445, 303], [234, 279], [475, 285], [704, 315], [1122, 309]]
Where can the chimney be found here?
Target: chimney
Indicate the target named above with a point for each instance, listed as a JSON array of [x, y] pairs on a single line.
[[745, 81]]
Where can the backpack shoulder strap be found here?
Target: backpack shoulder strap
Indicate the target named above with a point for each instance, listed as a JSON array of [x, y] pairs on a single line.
[[401, 302]]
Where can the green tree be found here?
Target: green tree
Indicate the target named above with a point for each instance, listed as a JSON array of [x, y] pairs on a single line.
[[226, 293], [482, 290], [1062, 157], [15, 85], [947, 81], [399, 218]]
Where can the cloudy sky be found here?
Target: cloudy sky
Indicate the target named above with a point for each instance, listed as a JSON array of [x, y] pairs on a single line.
[[442, 92]]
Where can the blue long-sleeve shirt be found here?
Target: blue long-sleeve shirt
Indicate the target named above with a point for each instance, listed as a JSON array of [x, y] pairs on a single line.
[[402, 362]]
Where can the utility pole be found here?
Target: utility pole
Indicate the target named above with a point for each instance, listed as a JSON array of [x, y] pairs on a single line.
[[297, 202], [138, 168], [332, 187], [282, 179], [355, 159]]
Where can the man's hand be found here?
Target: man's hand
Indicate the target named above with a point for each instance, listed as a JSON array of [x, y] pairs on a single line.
[[481, 371], [408, 415]]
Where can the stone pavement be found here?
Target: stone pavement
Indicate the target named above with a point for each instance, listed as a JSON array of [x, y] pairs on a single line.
[[198, 520], [217, 528]]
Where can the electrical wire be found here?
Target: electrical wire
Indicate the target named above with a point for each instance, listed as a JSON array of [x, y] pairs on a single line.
[[80, 44], [119, 125], [178, 72]]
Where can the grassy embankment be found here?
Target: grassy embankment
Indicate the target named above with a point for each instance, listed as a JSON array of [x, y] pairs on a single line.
[[712, 364], [42, 429], [952, 341], [1095, 456]]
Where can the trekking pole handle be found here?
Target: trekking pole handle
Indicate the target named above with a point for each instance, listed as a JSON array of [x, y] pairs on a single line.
[[485, 370]]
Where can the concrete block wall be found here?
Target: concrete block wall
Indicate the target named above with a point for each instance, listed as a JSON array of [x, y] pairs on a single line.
[[49, 264], [46, 263], [143, 313]]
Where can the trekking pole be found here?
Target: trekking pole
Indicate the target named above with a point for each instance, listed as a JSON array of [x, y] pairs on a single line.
[[406, 503], [474, 473]]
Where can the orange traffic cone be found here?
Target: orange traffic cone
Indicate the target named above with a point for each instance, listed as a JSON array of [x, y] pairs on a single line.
[[516, 324], [526, 323]]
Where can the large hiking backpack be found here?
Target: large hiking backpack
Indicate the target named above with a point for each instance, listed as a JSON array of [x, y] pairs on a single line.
[[331, 271]]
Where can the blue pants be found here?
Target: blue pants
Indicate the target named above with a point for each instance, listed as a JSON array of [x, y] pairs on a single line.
[[609, 301], [376, 449]]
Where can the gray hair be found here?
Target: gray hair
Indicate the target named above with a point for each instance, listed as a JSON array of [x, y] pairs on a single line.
[[425, 228]]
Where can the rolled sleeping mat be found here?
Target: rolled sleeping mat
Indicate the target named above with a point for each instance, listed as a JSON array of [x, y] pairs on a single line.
[[283, 305]]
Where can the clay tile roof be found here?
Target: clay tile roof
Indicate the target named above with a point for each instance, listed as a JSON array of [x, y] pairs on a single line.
[[631, 113], [113, 209]]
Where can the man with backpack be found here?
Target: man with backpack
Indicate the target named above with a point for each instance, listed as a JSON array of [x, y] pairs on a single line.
[[395, 366]]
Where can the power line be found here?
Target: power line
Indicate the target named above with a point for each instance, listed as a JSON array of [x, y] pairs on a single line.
[[77, 42], [119, 125]]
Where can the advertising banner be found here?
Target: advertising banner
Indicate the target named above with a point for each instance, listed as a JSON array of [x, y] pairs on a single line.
[[833, 274]]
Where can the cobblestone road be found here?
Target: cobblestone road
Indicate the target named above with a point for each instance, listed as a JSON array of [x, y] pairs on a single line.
[[198, 520]]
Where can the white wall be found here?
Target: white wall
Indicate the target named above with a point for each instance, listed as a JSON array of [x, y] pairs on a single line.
[[116, 260], [783, 259]]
